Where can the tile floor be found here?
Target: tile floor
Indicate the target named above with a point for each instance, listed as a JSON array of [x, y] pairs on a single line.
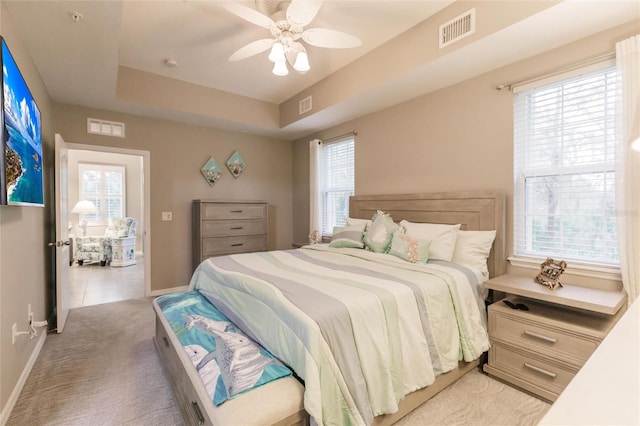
[[92, 284]]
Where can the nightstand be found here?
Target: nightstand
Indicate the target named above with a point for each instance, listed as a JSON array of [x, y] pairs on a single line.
[[540, 350]]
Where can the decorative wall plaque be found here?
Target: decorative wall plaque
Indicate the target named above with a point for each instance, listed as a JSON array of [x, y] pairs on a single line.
[[236, 164], [211, 171]]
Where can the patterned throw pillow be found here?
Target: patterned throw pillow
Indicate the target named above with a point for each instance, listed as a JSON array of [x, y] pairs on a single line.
[[348, 236], [409, 249], [380, 232]]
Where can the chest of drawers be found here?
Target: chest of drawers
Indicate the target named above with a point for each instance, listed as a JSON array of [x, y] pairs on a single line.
[[541, 349], [228, 227]]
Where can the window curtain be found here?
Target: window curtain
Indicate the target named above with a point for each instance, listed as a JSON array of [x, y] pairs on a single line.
[[315, 198], [628, 164]]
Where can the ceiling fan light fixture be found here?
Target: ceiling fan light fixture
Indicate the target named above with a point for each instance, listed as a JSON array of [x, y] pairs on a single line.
[[280, 69], [277, 53], [302, 62], [287, 28]]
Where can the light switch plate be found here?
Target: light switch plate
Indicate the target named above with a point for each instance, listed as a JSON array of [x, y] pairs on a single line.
[[167, 216]]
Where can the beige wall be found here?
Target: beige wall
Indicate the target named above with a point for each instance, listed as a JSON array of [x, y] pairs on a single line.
[[177, 152], [457, 138], [26, 269]]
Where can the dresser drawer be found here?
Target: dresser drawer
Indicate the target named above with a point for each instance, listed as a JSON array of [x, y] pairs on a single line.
[[230, 245], [231, 228], [540, 371], [518, 331], [233, 211]]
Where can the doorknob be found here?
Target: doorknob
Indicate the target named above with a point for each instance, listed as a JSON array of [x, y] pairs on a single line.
[[58, 244]]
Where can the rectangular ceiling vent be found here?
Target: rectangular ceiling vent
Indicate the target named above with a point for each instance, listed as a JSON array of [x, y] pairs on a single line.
[[305, 105], [458, 28], [105, 128]]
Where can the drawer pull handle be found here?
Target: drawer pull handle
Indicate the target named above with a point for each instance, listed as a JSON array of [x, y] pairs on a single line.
[[237, 245], [540, 370], [237, 227], [236, 211], [196, 408], [166, 342], [540, 336]]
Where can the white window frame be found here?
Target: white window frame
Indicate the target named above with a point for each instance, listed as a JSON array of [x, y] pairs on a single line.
[[522, 257], [331, 218], [82, 195]]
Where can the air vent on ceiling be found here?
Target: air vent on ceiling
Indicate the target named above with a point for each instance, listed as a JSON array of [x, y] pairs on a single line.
[[105, 128], [458, 28], [305, 105]]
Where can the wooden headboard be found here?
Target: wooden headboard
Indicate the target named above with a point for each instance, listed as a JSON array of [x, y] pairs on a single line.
[[474, 210]]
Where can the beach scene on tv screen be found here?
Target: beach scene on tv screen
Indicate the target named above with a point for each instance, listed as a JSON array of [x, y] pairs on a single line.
[[23, 143]]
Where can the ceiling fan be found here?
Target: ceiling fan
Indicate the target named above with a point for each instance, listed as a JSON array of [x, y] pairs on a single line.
[[287, 30]]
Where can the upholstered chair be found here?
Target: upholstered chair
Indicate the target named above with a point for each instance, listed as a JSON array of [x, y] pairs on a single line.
[[93, 249]]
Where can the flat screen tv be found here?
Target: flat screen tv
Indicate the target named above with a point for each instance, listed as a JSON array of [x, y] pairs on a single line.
[[21, 168]]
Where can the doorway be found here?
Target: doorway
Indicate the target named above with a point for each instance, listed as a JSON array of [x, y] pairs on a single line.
[[91, 282]]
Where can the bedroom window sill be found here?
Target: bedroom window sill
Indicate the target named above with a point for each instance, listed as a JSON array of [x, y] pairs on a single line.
[[573, 268]]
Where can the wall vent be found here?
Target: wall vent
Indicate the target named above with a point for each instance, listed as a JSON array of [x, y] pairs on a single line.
[[305, 105], [458, 28], [105, 128]]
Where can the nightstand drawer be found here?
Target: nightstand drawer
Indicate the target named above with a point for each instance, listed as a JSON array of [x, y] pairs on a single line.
[[530, 368], [518, 331]]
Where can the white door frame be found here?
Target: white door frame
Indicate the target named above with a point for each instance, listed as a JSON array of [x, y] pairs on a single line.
[[146, 166]]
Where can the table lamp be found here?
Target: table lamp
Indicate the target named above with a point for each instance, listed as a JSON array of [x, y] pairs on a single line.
[[81, 207]]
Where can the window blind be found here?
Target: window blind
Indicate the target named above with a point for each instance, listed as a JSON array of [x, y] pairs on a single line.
[[104, 186], [337, 182], [564, 165]]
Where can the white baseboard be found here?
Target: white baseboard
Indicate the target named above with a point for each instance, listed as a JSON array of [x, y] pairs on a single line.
[[169, 290], [13, 398]]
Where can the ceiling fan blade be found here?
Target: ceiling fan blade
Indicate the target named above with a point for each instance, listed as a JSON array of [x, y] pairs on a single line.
[[251, 49], [248, 14], [324, 37], [302, 12]]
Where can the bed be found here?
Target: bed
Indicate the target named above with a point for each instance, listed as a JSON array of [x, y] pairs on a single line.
[[371, 354]]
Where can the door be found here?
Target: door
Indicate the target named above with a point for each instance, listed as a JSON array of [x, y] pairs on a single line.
[[62, 232]]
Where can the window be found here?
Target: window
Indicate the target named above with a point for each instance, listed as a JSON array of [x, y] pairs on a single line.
[[336, 182], [564, 166], [104, 186]]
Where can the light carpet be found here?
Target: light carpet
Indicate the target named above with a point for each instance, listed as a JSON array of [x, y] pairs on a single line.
[[104, 370]]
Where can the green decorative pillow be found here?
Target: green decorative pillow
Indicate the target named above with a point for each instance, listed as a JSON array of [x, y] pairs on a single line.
[[347, 236], [409, 249], [379, 232]]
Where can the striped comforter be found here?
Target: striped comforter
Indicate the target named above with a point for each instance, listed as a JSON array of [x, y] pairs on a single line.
[[362, 329]]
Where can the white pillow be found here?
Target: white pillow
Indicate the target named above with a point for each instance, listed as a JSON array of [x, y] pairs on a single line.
[[442, 237], [472, 250], [351, 221]]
